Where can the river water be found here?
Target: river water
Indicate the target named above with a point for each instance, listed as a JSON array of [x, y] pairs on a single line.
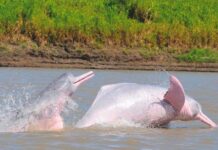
[[18, 86]]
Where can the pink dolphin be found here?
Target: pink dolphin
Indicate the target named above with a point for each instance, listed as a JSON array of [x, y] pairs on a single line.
[[143, 104], [46, 116]]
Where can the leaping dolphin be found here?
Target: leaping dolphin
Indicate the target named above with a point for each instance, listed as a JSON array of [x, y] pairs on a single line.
[[46, 114], [148, 105]]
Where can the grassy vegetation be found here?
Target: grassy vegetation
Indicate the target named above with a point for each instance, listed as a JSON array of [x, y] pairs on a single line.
[[153, 24], [200, 55]]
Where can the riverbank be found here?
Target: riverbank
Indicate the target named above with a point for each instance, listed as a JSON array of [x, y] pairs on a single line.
[[110, 34], [62, 56], [81, 64]]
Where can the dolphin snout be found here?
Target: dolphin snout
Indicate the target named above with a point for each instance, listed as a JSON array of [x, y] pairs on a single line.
[[202, 117], [82, 78]]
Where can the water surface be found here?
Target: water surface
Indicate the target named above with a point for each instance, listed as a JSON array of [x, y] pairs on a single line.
[[19, 86]]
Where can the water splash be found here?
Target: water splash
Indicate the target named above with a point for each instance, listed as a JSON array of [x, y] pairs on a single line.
[[121, 123], [19, 107], [14, 100]]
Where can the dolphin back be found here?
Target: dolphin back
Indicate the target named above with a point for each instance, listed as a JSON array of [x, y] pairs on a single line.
[[127, 101]]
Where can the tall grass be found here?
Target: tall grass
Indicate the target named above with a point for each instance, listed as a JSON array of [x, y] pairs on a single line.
[[178, 24]]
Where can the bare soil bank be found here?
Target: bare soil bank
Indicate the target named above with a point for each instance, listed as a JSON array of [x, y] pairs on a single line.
[[18, 55], [78, 63]]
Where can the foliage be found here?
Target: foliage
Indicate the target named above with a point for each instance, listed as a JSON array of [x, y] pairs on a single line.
[[177, 24], [200, 55]]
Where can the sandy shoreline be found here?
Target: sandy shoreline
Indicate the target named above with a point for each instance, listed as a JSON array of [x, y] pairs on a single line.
[[83, 64]]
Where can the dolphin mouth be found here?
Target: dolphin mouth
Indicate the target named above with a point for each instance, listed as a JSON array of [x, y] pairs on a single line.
[[84, 77], [202, 117]]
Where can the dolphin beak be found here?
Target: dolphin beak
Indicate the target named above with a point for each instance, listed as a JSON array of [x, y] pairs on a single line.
[[202, 117], [82, 78]]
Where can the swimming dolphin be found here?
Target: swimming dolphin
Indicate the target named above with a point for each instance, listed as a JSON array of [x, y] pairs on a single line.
[[147, 105]]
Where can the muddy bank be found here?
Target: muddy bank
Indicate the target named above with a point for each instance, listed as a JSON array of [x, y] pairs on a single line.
[[78, 63], [66, 56]]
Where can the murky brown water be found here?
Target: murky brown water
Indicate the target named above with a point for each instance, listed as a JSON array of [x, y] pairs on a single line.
[[21, 84]]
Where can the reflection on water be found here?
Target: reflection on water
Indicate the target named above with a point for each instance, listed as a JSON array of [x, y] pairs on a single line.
[[18, 86]]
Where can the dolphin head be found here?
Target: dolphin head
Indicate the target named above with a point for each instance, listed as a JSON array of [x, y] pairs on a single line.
[[192, 111], [187, 108], [67, 83]]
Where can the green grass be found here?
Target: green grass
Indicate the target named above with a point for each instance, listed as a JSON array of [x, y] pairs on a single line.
[[177, 24], [200, 55]]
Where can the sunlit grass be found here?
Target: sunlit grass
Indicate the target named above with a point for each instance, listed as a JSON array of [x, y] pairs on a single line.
[[200, 55], [177, 24]]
